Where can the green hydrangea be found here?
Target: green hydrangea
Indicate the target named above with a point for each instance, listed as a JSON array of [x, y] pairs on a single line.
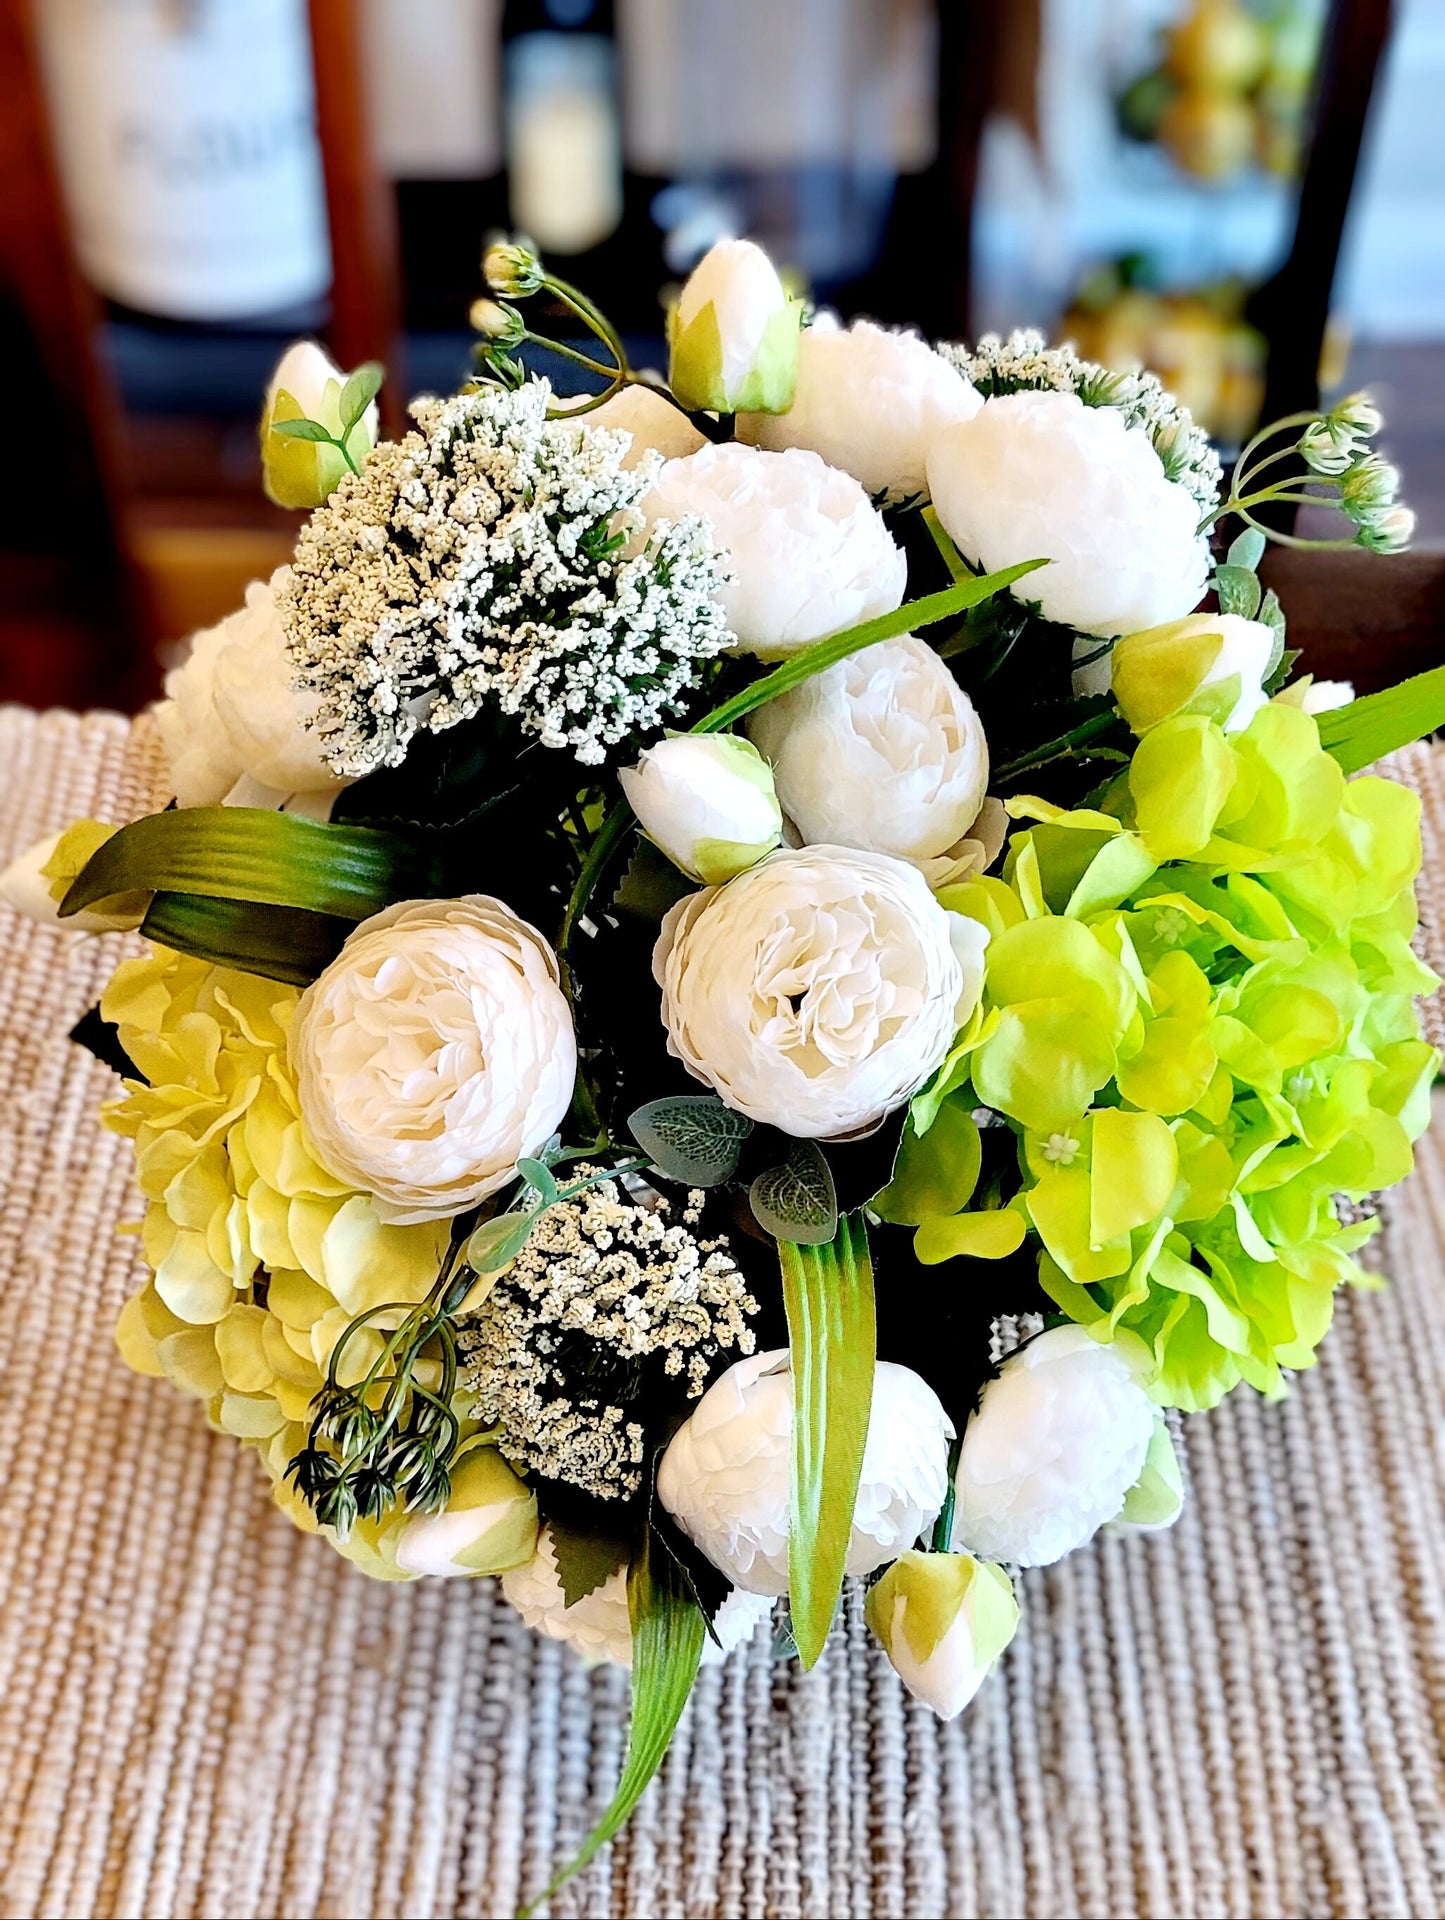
[[1199, 1018]]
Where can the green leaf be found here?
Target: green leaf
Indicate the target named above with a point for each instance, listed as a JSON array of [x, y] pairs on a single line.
[[585, 1560], [1377, 724], [1246, 550], [1238, 590], [279, 943], [303, 430], [540, 1179], [667, 1642], [807, 661], [832, 1348], [359, 392], [251, 854], [496, 1243], [797, 1201], [952, 558], [691, 1137]]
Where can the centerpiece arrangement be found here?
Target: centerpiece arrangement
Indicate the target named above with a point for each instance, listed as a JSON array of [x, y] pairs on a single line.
[[655, 859]]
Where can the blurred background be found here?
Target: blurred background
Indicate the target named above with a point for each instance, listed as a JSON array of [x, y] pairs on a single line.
[[1246, 195]]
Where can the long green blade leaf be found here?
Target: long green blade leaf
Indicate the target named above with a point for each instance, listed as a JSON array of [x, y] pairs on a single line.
[[1378, 723], [279, 943], [667, 1640], [248, 853], [807, 661], [832, 1345]]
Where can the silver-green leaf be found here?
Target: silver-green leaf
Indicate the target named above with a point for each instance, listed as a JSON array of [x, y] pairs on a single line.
[[796, 1202], [691, 1137]]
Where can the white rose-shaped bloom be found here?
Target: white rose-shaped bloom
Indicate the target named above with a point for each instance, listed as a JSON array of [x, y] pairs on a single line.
[[708, 801], [819, 990], [943, 1620], [231, 711], [656, 425], [727, 1472], [1059, 1438], [599, 1625], [883, 751], [433, 1053], [870, 400], [1042, 476], [809, 554]]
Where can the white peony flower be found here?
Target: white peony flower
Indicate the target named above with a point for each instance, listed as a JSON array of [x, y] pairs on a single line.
[[727, 1472], [708, 802], [819, 990], [1041, 475], [883, 751], [656, 425], [943, 1620], [734, 333], [434, 1053], [1213, 663], [489, 1522], [809, 554], [231, 711], [307, 385], [1059, 1438], [599, 1625], [870, 400]]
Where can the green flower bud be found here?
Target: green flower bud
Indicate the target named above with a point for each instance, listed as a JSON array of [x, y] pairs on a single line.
[[512, 270], [1389, 531], [1209, 663], [489, 1522], [502, 328], [943, 1620], [734, 334], [304, 471]]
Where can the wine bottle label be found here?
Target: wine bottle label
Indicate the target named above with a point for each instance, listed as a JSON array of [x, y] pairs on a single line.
[[186, 141]]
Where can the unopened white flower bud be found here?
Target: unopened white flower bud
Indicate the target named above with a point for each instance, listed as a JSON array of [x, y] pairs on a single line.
[[734, 334], [308, 385], [943, 1620], [1156, 1499], [489, 1522], [707, 800]]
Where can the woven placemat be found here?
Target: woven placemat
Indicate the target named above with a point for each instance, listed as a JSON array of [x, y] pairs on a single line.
[[204, 1713]]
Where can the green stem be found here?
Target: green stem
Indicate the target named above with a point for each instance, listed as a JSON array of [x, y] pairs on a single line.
[[592, 318], [609, 837], [1064, 746], [580, 359]]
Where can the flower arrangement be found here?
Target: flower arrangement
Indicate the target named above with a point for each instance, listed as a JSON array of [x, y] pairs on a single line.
[[655, 857]]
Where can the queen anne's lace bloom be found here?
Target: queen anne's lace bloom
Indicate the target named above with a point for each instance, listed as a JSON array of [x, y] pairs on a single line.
[[726, 1475], [869, 399], [818, 990], [433, 1053], [808, 552], [1041, 475], [484, 559]]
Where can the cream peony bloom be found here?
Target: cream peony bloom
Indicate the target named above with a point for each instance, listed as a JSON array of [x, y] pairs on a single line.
[[656, 425], [726, 1475], [1041, 475], [870, 400], [599, 1625], [434, 1053], [707, 800], [809, 553], [819, 990], [1059, 1438], [231, 712], [943, 1620], [885, 752]]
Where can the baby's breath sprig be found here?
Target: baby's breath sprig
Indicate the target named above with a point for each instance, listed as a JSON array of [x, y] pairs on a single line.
[[1321, 460]]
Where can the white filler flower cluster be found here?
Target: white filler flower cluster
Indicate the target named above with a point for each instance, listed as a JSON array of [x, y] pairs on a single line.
[[485, 559], [602, 1287], [1025, 362]]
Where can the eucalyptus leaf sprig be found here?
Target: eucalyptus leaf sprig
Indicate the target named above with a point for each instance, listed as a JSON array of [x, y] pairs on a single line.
[[1321, 459], [356, 396]]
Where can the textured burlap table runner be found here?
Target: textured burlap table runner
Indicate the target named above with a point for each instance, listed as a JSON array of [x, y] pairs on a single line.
[[203, 1712]]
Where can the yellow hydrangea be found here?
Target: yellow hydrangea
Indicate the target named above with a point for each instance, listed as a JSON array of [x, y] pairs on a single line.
[[260, 1259]]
